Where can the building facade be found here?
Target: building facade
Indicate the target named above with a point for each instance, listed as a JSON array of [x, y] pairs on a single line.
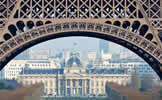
[[14, 67], [143, 68], [74, 79], [39, 54], [72, 82]]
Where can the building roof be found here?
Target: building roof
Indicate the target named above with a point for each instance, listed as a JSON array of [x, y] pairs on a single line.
[[38, 61], [42, 71], [106, 71], [126, 61], [61, 71]]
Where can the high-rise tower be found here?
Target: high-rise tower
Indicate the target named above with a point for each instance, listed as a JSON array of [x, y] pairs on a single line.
[[104, 46]]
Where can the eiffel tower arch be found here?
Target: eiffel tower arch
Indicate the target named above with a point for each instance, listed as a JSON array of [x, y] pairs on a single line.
[[134, 24]]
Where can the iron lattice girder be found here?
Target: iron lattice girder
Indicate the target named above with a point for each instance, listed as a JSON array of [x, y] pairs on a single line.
[[147, 49], [140, 19], [67, 8]]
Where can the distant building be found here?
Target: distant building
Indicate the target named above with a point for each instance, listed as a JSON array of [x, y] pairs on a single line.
[[39, 54], [43, 64], [74, 79], [99, 58], [106, 57], [92, 56], [66, 55], [126, 53], [104, 46], [142, 67], [12, 69]]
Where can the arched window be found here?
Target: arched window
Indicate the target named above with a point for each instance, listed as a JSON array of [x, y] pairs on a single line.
[[30, 24], [7, 36], [39, 23], [135, 26], [108, 22], [126, 24], [149, 36], [12, 29], [143, 30], [48, 22], [20, 25], [117, 23]]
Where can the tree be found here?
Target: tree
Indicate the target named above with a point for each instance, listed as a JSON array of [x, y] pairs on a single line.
[[160, 92], [2, 85], [146, 82]]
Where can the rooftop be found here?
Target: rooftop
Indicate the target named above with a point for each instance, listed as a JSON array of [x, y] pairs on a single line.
[[61, 71], [42, 71]]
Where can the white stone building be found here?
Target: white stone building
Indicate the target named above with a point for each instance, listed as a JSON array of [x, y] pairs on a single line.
[[74, 79], [12, 69], [39, 54]]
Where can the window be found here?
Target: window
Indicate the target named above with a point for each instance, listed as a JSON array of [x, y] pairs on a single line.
[[102, 83], [92, 83], [80, 82], [51, 83], [68, 91], [97, 91], [46, 83], [96, 83], [87, 82], [102, 91], [80, 91], [51, 90], [68, 82], [74, 82]]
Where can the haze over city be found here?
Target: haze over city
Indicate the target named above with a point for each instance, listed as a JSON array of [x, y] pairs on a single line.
[[80, 49], [83, 44]]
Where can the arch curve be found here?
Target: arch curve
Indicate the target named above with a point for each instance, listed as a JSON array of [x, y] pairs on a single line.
[[134, 42]]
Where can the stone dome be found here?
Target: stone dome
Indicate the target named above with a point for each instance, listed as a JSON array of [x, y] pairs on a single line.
[[74, 62]]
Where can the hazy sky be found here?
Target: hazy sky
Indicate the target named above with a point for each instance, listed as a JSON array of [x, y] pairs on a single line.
[[83, 44]]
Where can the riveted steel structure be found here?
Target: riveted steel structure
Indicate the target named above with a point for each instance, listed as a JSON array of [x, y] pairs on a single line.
[[135, 24]]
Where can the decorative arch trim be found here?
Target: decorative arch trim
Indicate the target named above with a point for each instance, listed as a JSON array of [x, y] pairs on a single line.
[[136, 43]]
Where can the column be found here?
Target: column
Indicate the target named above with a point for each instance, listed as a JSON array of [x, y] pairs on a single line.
[[85, 86], [71, 87], [58, 87], [65, 84]]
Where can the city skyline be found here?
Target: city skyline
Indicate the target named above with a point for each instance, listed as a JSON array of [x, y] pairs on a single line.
[[83, 44], [81, 49]]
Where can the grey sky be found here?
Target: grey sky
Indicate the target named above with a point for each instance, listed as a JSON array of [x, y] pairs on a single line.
[[83, 44]]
